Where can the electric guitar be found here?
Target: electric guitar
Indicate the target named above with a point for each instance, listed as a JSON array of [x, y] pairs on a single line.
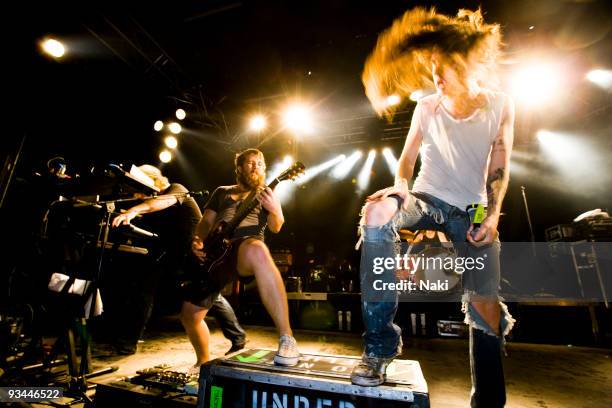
[[218, 244]]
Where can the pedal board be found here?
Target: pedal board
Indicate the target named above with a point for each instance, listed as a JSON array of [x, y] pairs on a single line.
[[164, 378], [158, 386]]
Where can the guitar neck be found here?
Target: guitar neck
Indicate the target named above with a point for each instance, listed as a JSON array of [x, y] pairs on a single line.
[[245, 210]]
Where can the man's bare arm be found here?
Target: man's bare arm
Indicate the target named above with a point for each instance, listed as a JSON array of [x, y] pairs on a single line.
[[499, 165], [206, 223], [406, 162], [151, 205], [410, 152]]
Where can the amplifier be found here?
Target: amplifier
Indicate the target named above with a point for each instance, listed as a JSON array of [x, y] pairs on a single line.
[[452, 328], [591, 229], [561, 232], [250, 379]]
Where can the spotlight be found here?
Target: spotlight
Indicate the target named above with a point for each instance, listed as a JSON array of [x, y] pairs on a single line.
[[536, 85], [53, 47], [159, 125], [391, 160], [175, 128], [363, 179], [344, 168], [165, 156], [558, 146], [284, 191], [544, 136], [318, 169], [287, 160], [171, 142], [278, 168], [258, 123], [577, 160], [601, 77], [180, 114], [393, 100], [298, 118]]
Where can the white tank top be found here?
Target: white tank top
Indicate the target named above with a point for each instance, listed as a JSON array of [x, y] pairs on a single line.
[[455, 152]]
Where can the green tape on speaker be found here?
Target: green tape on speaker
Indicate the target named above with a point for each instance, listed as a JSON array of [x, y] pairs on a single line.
[[216, 397]]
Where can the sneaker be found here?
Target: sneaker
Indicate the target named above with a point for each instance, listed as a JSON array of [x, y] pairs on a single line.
[[287, 354], [371, 371]]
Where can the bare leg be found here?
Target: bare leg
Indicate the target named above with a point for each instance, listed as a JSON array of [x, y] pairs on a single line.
[[254, 259], [192, 318], [490, 311], [380, 212]]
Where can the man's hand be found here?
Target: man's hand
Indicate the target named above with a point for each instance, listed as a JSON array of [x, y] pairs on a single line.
[[269, 200], [124, 219], [197, 247], [486, 234], [400, 189]]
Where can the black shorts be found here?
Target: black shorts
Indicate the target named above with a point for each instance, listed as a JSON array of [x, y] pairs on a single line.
[[203, 288]]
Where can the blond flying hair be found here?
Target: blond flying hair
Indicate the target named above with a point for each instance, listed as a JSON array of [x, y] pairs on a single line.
[[401, 61]]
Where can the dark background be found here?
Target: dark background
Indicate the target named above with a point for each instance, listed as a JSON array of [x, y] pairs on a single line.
[[130, 65]]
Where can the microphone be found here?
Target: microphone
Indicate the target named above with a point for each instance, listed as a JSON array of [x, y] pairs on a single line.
[[199, 193], [142, 232]]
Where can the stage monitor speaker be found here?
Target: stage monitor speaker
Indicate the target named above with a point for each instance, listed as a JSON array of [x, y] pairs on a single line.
[[250, 379]]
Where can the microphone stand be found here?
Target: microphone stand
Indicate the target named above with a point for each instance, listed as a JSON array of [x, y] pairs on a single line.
[[533, 246], [202, 193]]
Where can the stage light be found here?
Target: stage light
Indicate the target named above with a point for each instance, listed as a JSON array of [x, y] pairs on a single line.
[[343, 168], [363, 179], [416, 95], [165, 156], [53, 47], [298, 118], [393, 100], [601, 77], [180, 114], [175, 128], [258, 123], [159, 125], [278, 168], [557, 145], [284, 191], [391, 160], [318, 169], [544, 136], [171, 142], [578, 161], [535, 85]]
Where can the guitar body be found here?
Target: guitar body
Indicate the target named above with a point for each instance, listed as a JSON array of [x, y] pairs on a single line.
[[217, 247], [215, 271]]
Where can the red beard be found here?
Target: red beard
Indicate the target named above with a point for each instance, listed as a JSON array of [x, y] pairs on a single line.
[[251, 180]]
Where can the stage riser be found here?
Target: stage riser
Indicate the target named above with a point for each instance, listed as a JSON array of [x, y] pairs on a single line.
[[250, 379]]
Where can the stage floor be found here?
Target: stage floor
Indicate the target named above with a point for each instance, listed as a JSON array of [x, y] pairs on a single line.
[[541, 376]]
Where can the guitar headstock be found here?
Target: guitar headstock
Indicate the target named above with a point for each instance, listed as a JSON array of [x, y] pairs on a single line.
[[292, 172]]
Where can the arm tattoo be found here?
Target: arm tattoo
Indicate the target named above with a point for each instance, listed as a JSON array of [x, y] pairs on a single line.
[[499, 145], [494, 186]]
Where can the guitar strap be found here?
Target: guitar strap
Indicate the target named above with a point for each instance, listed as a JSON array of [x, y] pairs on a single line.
[[246, 202]]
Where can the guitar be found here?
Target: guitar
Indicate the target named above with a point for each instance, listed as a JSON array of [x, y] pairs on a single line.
[[218, 244]]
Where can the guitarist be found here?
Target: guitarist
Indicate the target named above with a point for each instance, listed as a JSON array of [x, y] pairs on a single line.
[[249, 257]]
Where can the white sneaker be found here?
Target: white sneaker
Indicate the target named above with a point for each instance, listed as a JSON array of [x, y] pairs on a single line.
[[287, 354]]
